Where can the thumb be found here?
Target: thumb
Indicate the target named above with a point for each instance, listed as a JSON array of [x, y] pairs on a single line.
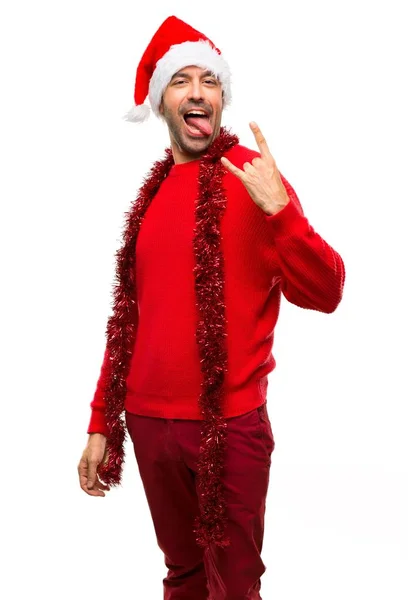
[[92, 464]]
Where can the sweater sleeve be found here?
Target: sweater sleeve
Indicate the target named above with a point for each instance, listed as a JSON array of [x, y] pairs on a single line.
[[312, 272], [97, 423]]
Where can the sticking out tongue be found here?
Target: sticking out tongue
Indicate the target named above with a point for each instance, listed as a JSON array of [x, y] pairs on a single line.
[[201, 123]]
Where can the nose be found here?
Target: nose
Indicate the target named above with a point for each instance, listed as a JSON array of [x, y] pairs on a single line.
[[195, 90]]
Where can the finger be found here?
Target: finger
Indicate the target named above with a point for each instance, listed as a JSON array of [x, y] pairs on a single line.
[[260, 140], [249, 168], [83, 471], [101, 484], [94, 491], [92, 466], [233, 169]]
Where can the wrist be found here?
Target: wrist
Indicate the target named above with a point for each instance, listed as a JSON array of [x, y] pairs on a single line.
[[274, 208]]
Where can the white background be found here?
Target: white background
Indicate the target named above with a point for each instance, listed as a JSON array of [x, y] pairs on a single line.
[[329, 84]]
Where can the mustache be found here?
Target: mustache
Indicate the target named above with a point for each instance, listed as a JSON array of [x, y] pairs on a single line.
[[199, 107]]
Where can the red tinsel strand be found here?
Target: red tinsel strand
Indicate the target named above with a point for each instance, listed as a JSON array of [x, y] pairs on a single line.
[[210, 334], [122, 324]]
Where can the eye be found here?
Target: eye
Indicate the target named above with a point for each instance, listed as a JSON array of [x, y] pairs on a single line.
[[213, 81], [179, 81]]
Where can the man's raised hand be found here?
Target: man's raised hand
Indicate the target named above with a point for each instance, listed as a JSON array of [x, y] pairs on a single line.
[[261, 177]]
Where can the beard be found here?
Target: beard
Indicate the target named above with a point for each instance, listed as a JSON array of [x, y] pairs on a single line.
[[189, 145]]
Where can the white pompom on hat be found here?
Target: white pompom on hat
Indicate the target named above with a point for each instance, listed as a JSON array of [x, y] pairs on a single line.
[[174, 45]]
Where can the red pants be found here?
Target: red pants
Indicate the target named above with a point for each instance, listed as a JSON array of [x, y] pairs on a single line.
[[166, 451]]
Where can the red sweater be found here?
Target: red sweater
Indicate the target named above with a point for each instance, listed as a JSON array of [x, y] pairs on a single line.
[[264, 256]]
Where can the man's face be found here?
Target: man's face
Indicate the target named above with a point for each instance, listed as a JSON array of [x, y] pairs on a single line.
[[192, 88]]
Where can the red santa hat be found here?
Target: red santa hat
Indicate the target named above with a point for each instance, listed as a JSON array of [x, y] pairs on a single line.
[[174, 45]]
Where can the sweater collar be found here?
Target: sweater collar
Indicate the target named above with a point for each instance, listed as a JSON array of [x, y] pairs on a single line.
[[223, 142], [184, 169]]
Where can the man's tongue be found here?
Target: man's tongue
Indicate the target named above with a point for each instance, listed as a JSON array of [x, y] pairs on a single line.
[[201, 123]]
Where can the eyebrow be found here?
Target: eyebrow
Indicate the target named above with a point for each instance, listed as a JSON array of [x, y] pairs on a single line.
[[184, 74]]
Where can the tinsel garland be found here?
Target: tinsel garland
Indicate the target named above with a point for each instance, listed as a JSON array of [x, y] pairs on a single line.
[[210, 334]]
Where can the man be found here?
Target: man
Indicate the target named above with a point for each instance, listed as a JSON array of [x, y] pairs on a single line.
[[189, 343]]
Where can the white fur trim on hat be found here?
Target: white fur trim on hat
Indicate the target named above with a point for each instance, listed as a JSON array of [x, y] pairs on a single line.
[[200, 54]]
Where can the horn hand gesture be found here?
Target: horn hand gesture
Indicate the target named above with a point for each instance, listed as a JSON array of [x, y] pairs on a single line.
[[261, 177]]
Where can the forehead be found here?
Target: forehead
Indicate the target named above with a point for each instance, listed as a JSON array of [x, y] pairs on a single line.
[[192, 70]]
